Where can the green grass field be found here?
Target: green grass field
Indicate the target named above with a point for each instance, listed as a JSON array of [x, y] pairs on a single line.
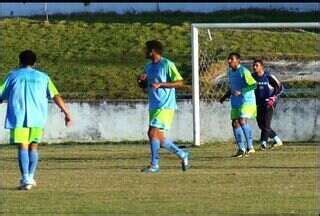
[[105, 179], [98, 56]]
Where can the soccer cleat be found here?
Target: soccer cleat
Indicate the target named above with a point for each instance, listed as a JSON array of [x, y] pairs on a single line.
[[250, 151], [25, 187], [277, 142], [151, 169], [28, 187], [185, 162], [277, 145], [240, 154], [263, 147], [33, 183]]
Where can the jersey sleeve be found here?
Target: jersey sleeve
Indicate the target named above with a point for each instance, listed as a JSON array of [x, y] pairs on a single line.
[[251, 83], [276, 84], [51, 90], [3, 90], [174, 74]]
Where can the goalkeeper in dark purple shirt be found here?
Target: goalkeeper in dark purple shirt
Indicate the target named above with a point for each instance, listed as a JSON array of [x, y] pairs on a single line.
[[267, 91]]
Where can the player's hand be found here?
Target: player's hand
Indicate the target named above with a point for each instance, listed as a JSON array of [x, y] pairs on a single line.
[[270, 101], [156, 85], [236, 93], [67, 119], [142, 76], [142, 81]]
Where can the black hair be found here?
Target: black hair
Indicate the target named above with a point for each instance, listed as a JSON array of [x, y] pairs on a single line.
[[154, 45], [234, 54], [27, 58], [259, 61]]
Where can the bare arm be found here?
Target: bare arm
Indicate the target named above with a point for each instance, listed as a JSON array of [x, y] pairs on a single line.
[[175, 84], [60, 103]]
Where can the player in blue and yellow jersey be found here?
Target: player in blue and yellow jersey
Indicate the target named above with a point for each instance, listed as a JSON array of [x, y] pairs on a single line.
[[27, 91], [243, 103], [268, 90], [161, 77]]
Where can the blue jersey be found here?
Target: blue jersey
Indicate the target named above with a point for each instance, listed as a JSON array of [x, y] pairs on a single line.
[[242, 81], [162, 71], [267, 86], [27, 91]]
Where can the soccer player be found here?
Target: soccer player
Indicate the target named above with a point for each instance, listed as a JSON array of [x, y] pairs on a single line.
[[267, 91], [161, 77], [243, 103], [27, 91]]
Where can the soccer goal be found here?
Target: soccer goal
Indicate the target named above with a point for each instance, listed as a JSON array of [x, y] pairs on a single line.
[[285, 46]]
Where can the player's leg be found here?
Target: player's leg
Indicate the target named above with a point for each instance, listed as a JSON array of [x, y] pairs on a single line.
[[263, 143], [239, 137], [170, 146], [165, 117], [247, 131], [34, 138], [20, 137], [154, 142], [270, 131]]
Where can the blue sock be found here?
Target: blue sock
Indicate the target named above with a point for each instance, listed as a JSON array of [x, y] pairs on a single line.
[[247, 131], [171, 147], [23, 158], [239, 136], [155, 147], [33, 162]]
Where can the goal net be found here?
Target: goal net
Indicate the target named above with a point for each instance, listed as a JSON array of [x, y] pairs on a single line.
[[290, 50]]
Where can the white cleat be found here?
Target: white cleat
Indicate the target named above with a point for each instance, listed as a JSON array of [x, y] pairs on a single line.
[[251, 151], [277, 143], [28, 187], [33, 183]]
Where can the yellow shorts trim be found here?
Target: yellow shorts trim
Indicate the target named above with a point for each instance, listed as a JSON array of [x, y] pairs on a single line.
[[245, 111], [26, 135], [161, 118]]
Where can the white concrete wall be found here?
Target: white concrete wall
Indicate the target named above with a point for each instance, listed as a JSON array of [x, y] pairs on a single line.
[[294, 120], [27, 9]]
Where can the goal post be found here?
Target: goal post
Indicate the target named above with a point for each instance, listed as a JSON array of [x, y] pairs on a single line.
[[195, 28]]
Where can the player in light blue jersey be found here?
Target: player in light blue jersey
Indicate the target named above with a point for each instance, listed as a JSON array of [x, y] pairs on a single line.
[[243, 103], [27, 92], [160, 79]]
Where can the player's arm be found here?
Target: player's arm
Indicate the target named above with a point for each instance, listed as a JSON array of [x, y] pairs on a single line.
[[278, 88], [175, 79], [173, 84], [3, 90], [251, 83], [60, 103], [225, 96], [58, 100], [276, 84], [143, 82]]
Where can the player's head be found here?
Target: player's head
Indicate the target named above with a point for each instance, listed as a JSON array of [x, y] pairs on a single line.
[[258, 66], [153, 48], [27, 58], [234, 60]]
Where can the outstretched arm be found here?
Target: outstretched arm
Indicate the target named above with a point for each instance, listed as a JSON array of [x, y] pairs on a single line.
[[60, 103]]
